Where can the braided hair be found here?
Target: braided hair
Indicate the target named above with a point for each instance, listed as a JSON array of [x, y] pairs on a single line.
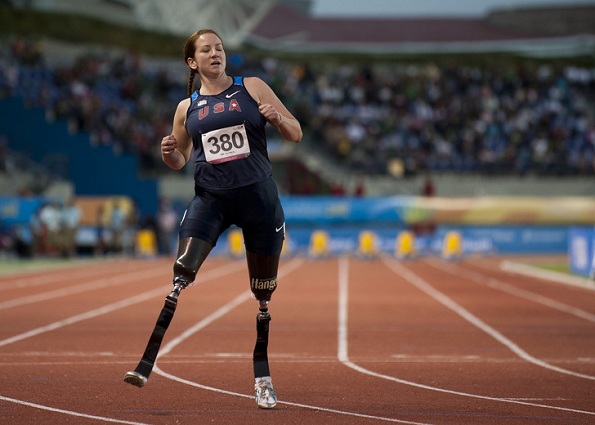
[[190, 50]]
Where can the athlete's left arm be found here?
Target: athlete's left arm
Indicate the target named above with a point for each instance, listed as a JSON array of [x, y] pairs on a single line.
[[273, 109]]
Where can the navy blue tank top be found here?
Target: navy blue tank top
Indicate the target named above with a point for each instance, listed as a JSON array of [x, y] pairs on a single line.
[[228, 136]]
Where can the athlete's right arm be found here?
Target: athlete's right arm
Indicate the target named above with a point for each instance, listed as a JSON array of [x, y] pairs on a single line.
[[177, 147]]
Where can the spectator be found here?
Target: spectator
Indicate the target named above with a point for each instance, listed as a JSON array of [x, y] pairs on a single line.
[[117, 226], [50, 218], [71, 217], [360, 189], [167, 225]]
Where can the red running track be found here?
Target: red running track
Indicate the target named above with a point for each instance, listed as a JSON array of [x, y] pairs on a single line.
[[352, 342]]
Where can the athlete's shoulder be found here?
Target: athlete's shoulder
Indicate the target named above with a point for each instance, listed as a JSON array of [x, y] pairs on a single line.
[[250, 81], [184, 104], [253, 85], [182, 108], [257, 88]]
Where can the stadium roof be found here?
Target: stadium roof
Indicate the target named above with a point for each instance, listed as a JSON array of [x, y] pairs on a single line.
[[566, 31], [287, 26]]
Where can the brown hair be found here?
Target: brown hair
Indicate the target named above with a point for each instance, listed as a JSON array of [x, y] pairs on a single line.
[[190, 50]]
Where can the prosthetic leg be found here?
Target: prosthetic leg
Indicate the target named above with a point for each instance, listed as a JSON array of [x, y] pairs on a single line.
[[260, 357], [139, 376], [262, 288], [191, 254]]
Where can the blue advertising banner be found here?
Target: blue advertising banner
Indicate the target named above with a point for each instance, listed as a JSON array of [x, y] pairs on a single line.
[[18, 210], [345, 221], [474, 240], [521, 239], [328, 209]]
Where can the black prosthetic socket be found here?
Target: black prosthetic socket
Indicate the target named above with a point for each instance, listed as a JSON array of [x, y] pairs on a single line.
[[260, 357], [263, 274], [192, 252]]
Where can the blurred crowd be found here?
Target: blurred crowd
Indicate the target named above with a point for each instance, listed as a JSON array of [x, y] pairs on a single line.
[[501, 120], [506, 117], [90, 225], [51, 231]]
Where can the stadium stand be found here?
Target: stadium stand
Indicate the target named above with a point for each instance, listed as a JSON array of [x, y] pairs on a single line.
[[381, 117], [374, 119]]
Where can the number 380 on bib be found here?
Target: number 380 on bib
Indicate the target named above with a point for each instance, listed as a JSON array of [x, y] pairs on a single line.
[[226, 144]]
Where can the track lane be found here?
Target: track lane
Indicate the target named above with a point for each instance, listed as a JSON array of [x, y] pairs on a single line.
[[392, 330]]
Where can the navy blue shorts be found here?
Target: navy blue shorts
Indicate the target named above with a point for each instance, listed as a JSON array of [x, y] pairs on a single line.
[[255, 209]]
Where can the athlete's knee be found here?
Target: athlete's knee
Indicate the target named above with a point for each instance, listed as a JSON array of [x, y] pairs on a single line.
[[191, 254]]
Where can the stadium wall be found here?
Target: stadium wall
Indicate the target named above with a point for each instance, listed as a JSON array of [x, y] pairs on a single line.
[[488, 223], [377, 225], [491, 225], [452, 185], [94, 170]]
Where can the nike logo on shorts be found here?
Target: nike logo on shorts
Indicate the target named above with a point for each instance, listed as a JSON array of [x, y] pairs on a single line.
[[278, 229], [231, 95]]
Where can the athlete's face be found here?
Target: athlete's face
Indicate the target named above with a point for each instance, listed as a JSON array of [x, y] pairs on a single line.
[[209, 57]]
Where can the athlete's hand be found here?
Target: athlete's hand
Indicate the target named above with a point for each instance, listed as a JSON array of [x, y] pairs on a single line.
[[168, 145], [270, 113]]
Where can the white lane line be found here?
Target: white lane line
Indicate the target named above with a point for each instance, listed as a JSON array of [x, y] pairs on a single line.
[[68, 412], [293, 265], [552, 276], [287, 403], [343, 299], [343, 354], [78, 288], [211, 274], [43, 277], [240, 299], [84, 316], [476, 321], [514, 290]]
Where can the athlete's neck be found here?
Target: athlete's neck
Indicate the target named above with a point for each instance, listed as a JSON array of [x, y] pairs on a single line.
[[216, 85]]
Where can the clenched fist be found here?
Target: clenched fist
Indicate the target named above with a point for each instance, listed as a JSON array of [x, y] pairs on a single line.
[[270, 114], [168, 144]]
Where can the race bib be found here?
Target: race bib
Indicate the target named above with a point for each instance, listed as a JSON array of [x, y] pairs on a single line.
[[226, 144]]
